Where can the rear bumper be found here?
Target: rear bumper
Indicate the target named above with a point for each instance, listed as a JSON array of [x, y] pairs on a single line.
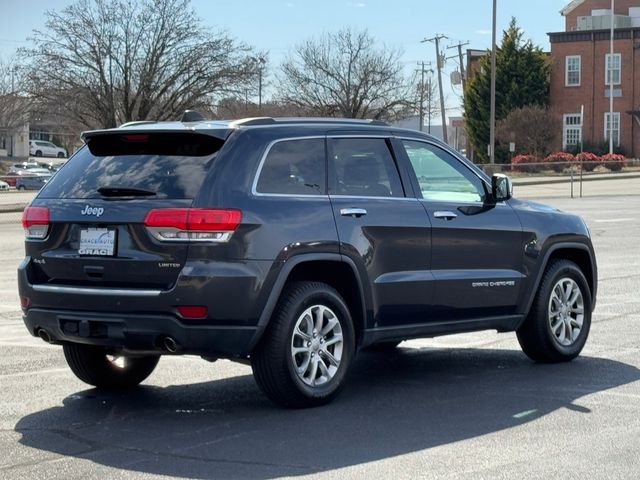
[[138, 320], [139, 333]]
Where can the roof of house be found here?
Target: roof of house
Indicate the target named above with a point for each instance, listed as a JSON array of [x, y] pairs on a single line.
[[571, 6]]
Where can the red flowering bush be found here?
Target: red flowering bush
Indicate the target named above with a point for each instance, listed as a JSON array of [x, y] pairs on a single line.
[[520, 163], [588, 160], [613, 161], [558, 161]]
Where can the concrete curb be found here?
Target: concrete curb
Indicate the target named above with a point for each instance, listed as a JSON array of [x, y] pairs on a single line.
[[576, 179], [13, 208]]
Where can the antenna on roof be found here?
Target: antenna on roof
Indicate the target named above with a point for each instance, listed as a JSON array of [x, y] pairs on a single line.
[[191, 116]]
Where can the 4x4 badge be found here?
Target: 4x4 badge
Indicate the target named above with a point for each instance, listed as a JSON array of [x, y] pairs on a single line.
[[97, 211]]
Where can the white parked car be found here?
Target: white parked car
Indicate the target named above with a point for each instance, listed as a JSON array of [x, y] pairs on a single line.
[[40, 148], [4, 185]]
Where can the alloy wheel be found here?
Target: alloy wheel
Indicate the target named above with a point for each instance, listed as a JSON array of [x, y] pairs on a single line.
[[317, 345], [566, 311]]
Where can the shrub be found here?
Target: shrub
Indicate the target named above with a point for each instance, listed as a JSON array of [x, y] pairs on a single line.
[[520, 163], [588, 160], [558, 161], [613, 162], [602, 148]]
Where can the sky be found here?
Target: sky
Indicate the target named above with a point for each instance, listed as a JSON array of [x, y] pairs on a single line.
[[277, 26]]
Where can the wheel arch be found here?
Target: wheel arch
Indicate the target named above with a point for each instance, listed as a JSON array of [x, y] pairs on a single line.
[[333, 269], [580, 254]]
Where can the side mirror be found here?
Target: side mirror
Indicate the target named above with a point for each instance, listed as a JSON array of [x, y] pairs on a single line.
[[501, 187]]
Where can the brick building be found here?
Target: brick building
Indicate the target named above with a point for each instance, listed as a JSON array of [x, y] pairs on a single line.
[[582, 67]]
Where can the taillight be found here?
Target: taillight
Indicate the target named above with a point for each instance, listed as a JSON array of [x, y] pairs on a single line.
[[192, 224], [136, 138], [24, 303], [35, 221]]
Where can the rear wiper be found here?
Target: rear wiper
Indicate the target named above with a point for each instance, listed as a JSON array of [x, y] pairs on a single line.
[[125, 192]]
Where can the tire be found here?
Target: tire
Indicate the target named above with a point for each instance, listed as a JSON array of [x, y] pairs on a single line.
[[60, 155], [92, 365], [553, 332], [382, 347], [274, 363], [38, 153], [22, 187]]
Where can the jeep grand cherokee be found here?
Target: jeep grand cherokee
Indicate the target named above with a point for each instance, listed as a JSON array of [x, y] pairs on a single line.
[[290, 243]]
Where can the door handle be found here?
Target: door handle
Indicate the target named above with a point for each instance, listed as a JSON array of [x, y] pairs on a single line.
[[445, 214], [353, 212]]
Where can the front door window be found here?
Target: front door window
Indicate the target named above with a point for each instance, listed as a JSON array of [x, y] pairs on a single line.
[[442, 178]]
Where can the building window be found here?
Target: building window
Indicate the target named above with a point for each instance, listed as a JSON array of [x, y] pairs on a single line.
[[572, 131], [614, 129], [612, 67], [572, 71]]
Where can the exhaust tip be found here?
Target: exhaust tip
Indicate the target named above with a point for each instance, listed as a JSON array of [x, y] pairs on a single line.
[[44, 335], [170, 345]]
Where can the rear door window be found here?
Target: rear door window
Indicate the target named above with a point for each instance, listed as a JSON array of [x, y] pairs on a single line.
[[363, 167], [294, 167], [168, 165]]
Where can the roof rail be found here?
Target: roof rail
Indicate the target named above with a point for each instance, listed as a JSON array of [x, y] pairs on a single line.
[[138, 122], [254, 121], [191, 116], [329, 120]]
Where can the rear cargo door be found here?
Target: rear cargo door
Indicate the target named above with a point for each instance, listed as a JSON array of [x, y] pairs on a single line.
[[98, 203]]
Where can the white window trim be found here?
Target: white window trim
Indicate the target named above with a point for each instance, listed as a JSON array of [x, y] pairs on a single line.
[[616, 139], [566, 71], [606, 69], [566, 127]]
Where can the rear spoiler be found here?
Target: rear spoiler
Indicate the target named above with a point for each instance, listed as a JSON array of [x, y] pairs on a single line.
[[221, 133]]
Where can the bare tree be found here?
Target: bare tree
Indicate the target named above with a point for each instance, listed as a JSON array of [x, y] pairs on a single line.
[[533, 129], [14, 104], [113, 61], [232, 108], [344, 74]]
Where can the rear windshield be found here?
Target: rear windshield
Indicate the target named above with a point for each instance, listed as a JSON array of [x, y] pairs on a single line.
[[171, 165]]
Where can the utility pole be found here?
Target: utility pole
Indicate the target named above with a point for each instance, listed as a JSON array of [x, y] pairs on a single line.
[[440, 61], [422, 71], [461, 60], [492, 120], [421, 107], [260, 61], [260, 89], [430, 90], [609, 75], [14, 69]]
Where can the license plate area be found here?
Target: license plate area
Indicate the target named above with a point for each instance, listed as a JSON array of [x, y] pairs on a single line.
[[97, 242]]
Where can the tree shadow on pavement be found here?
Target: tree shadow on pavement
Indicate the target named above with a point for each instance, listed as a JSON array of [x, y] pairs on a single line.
[[394, 403]]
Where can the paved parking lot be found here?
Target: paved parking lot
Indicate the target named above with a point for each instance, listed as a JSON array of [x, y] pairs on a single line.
[[463, 406]]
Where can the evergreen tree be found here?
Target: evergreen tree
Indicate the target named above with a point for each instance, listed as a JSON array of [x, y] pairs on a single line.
[[522, 79]]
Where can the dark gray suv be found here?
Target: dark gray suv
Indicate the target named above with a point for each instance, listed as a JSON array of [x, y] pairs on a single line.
[[290, 243]]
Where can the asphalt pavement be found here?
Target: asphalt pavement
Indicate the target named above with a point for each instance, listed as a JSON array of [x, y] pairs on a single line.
[[461, 406]]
